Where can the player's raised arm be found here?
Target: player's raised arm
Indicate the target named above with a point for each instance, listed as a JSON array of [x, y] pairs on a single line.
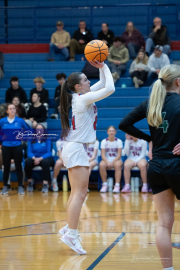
[[109, 88]]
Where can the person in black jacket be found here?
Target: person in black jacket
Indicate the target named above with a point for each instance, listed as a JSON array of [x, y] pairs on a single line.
[[162, 111], [44, 94], [15, 90], [158, 36], [79, 40], [36, 113], [106, 35], [61, 77]]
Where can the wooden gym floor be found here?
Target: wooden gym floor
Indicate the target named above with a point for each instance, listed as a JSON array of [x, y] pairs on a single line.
[[118, 232]]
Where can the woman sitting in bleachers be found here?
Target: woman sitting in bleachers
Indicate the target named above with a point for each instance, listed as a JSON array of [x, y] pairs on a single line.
[[59, 164], [20, 110], [135, 150], [111, 150], [37, 113], [139, 69], [39, 154]]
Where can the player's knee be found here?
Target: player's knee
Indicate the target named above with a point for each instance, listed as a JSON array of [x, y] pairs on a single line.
[[167, 222], [59, 163], [102, 165]]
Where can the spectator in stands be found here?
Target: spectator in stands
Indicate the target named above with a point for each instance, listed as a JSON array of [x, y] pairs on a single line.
[[118, 58], [1, 65], [60, 40], [12, 149], [44, 94], [20, 110], [158, 36], [92, 152], [79, 40], [133, 40], [61, 77], [106, 35], [36, 113], [15, 91], [156, 61], [139, 69], [111, 150], [135, 150], [59, 164], [39, 154]]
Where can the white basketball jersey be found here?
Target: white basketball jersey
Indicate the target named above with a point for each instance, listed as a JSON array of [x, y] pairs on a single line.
[[84, 110], [91, 149], [60, 144], [111, 148], [84, 119], [135, 150]]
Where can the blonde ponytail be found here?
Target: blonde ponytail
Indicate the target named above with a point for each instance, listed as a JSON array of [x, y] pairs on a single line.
[[156, 103], [166, 77]]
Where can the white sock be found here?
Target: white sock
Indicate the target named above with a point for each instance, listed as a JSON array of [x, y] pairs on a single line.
[[104, 183], [128, 185], [144, 184], [72, 232], [117, 184], [66, 226], [54, 179], [169, 268]]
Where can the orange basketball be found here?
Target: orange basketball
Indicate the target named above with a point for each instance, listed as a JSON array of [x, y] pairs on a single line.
[[96, 49]]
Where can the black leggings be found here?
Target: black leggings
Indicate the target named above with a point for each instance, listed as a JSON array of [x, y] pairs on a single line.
[[15, 153], [45, 164], [140, 75]]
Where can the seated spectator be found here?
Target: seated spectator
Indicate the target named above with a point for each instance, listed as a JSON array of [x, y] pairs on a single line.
[[1, 65], [36, 113], [44, 94], [133, 40], [139, 69], [158, 36], [20, 110], [60, 40], [12, 149], [135, 150], [106, 35], [92, 152], [118, 58], [39, 154], [59, 164], [79, 40], [156, 61], [15, 91], [61, 77], [111, 149]]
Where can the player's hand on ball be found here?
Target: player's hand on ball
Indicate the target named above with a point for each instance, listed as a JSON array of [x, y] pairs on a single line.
[[96, 64]]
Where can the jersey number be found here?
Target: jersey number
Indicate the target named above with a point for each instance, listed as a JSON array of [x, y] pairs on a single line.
[[73, 123], [164, 124]]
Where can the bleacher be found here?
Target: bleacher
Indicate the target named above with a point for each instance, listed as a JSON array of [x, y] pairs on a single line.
[[36, 23]]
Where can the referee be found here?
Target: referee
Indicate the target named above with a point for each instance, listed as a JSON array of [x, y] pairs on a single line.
[[162, 111]]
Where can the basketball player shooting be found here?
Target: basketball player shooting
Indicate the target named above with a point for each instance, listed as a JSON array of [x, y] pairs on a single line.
[[81, 133]]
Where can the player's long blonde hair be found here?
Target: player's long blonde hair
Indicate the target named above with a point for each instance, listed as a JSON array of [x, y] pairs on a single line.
[[166, 77]]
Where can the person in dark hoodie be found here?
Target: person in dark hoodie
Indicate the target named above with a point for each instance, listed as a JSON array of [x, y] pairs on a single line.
[[79, 40], [15, 91], [158, 36], [44, 94]]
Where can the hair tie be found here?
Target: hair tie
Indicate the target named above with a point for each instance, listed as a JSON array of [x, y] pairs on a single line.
[[161, 79]]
